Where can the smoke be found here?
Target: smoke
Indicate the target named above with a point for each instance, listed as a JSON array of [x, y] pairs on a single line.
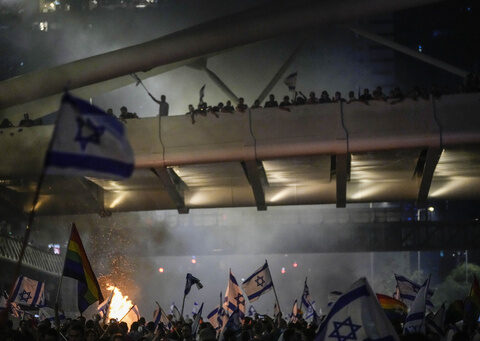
[[127, 250]]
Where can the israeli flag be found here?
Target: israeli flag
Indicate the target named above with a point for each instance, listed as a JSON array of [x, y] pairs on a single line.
[[291, 81], [218, 318], [159, 316], [409, 289], [357, 315], [333, 297], [105, 305], [191, 280], [415, 320], [136, 311], [88, 142], [233, 297], [195, 308], [29, 292], [196, 322], [47, 313], [259, 283], [252, 311]]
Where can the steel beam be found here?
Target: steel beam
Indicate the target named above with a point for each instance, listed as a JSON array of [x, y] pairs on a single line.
[[426, 175], [213, 36], [255, 173], [173, 185], [97, 193], [280, 73], [341, 175], [410, 52]]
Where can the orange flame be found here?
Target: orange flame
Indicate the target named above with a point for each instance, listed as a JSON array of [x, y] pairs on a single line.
[[120, 306]]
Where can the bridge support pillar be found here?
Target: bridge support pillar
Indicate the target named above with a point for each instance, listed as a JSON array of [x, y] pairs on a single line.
[[173, 185], [254, 172]]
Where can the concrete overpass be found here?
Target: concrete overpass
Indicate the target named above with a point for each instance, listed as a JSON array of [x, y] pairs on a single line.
[[313, 154]]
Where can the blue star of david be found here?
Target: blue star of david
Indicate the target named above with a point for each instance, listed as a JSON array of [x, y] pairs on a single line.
[[95, 133], [240, 300], [344, 336], [260, 281], [25, 296]]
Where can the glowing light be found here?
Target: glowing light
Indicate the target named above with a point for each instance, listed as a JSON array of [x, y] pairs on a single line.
[[283, 270], [295, 264], [420, 48], [194, 261], [161, 270], [117, 200], [431, 209], [119, 306]]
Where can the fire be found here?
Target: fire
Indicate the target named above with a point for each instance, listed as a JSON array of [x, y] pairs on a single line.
[[119, 306]]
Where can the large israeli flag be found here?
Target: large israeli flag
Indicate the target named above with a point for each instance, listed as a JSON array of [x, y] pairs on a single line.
[[408, 291], [233, 297], [88, 142], [357, 315], [258, 283], [105, 306], [29, 292], [415, 320]]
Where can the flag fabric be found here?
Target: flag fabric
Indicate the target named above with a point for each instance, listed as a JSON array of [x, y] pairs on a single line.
[[202, 93], [88, 142], [409, 289], [310, 312], [259, 283], [276, 310], [191, 280], [176, 313], [47, 313], [394, 309], [233, 297], [136, 311], [251, 311], [294, 314], [357, 315], [196, 322], [159, 316], [195, 308], [333, 297], [105, 305], [415, 320], [77, 266], [291, 81], [218, 318], [306, 295], [435, 323], [29, 292]]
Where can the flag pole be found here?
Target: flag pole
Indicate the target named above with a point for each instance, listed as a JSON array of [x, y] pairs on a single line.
[[29, 226], [57, 320], [183, 303], [301, 297], [129, 310], [274, 291]]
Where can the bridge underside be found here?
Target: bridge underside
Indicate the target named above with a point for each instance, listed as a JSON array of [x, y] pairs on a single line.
[[322, 154]]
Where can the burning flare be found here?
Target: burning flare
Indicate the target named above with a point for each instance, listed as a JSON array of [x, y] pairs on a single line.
[[120, 306]]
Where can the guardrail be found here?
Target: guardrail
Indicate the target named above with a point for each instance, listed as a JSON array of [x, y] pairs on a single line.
[[34, 257]]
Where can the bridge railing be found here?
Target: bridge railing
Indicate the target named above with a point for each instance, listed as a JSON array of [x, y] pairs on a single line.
[[34, 257]]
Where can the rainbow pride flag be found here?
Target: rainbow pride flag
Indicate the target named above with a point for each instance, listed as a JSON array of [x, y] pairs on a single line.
[[78, 267], [394, 309]]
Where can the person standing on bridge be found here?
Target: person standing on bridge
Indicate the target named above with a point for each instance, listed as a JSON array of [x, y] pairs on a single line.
[[162, 105]]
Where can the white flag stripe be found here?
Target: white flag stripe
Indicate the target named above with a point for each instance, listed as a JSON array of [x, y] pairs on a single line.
[[88, 142], [29, 292]]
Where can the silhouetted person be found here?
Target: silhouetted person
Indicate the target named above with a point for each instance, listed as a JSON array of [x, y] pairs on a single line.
[[338, 97], [6, 123], [26, 121], [272, 103], [311, 98], [191, 112], [366, 95], [256, 104], [110, 112], [125, 115], [351, 97], [162, 105], [228, 107], [378, 93], [285, 102], [300, 98], [325, 97], [241, 106]]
